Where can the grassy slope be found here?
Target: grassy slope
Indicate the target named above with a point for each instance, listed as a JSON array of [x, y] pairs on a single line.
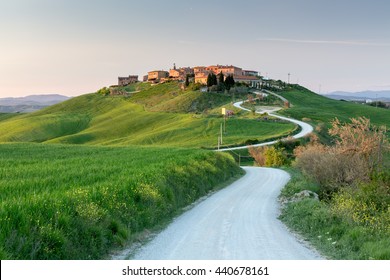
[[77, 202], [95, 119], [307, 104]]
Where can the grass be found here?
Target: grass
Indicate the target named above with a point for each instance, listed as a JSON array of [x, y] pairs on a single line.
[[169, 97], [5, 116], [79, 202]]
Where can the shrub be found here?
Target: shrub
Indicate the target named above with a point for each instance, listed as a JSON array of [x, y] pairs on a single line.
[[351, 160], [268, 156], [104, 91]]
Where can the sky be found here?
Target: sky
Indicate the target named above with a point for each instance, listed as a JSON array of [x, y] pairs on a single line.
[[72, 47]]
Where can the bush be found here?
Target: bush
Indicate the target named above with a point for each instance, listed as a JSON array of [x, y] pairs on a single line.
[[352, 159], [330, 169], [268, 156], [104, 91]]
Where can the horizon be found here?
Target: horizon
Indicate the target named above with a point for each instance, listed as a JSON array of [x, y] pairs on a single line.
[[72, 48]]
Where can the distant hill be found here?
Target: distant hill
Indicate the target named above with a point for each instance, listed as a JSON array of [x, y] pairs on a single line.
[[362, 95], [29, 103]]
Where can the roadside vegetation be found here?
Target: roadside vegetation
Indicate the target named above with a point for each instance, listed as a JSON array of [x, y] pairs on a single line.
[[351, 219], [80, 202]]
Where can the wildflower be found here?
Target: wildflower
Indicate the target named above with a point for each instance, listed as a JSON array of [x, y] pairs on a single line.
[[329, 239], [333, 243], [319, 236]]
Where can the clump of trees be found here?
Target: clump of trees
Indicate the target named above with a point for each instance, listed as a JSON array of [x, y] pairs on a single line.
[[104, 91], [268, 156], [220, 83], [355, 155], [211, 80]]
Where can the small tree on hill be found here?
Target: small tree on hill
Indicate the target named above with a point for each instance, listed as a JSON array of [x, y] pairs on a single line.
[[229, 82], [211, 80], [187, 82], [221, 78]]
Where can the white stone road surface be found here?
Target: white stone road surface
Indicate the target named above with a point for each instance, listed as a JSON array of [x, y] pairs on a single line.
[[237, 223]]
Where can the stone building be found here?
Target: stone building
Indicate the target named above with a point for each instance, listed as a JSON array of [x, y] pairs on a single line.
[[124, 81], [239, 75], [157, 75], [180, 73]]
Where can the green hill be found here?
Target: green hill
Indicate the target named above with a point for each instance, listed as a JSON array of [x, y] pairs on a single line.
[[157, 115], [307, 104]]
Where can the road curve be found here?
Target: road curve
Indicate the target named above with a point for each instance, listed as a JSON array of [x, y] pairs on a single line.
[[239, 222], [305, 129]]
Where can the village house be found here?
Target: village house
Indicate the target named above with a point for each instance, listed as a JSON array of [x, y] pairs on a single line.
[[239, 75], [124, 81], [201, 73], [180, 73], [157, 75]]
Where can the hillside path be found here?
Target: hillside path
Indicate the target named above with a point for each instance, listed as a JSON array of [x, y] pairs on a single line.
[[239, 222], [305, 127]]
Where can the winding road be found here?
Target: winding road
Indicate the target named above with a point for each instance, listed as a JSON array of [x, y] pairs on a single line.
[[239, 222], [305, 127]]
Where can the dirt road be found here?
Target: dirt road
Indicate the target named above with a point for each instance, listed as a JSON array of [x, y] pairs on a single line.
[[239, 222]]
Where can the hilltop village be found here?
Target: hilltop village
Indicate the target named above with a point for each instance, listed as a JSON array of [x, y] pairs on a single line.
[[198, 74]]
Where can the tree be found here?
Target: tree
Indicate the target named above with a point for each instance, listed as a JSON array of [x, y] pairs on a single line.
[[229, 82], [221, 78], [187, 83], [211, 80]]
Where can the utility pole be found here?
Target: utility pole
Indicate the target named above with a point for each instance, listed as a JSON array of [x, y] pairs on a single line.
[[221, 133]]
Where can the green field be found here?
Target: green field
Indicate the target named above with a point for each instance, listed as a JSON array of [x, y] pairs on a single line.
[[79, 202]]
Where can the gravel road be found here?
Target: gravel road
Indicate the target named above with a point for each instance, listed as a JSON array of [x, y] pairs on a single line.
[[239, 222]]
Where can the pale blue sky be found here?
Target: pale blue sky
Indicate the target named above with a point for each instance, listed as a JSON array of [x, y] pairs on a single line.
[[77, 46]]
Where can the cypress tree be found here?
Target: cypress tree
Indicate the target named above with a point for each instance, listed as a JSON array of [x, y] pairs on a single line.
[[221, 78]]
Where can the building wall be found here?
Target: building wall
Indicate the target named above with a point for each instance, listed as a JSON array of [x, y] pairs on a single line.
[[226, 70], [201, 78], [124, 81], [157, 75]]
